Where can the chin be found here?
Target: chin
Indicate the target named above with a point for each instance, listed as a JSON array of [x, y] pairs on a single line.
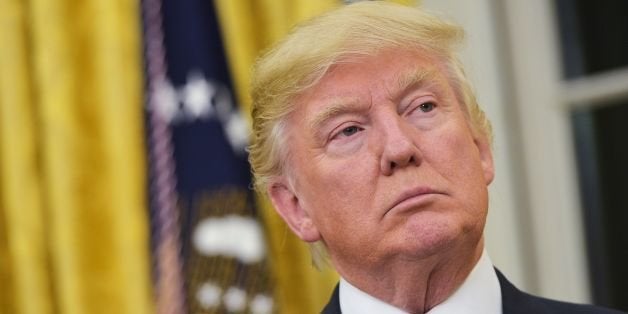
[[425, 238]]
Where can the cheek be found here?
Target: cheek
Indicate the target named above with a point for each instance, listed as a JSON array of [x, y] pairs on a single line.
[[341, 184], [339, 190], [456, 154], [457, 159], [464, 170]]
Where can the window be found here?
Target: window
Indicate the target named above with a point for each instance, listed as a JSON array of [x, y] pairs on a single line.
[[594, 52]]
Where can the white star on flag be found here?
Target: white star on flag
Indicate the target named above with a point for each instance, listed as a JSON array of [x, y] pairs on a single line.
[[197, 95]]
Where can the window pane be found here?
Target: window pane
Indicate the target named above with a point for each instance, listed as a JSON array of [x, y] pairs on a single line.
[[602, 153], [594, 35]]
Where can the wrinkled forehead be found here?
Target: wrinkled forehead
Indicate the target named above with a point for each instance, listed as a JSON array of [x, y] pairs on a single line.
[[415, 62], [390, 72]]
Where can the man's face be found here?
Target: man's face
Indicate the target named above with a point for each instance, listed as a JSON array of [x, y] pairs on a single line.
[[383, 163]]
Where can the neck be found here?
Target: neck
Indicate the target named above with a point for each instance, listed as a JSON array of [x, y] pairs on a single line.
[[416, 286]]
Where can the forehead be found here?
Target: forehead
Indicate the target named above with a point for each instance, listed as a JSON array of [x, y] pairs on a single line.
[[365, 79], [387, 71]]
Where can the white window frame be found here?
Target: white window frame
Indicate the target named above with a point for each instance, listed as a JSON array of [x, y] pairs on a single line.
[[544, 100]]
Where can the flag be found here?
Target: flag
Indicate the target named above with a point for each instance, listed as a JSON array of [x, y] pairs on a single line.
[[209, 243]]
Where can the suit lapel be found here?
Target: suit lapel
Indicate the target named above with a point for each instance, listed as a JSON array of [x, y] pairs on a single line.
[[514, 301], [333, 307]]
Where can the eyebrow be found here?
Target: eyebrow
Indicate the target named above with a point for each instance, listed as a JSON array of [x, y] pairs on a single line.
[[337, 107], [417, 78]]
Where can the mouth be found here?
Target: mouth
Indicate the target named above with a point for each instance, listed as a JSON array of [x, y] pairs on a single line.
[[413, 198]]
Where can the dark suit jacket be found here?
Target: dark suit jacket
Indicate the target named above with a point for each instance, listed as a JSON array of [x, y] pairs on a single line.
[[514, 301]]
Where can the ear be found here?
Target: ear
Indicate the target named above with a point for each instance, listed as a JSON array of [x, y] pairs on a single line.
[[287, 205], [486, 158]]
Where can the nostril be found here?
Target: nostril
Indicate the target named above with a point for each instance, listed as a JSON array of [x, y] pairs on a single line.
[[393, 165]]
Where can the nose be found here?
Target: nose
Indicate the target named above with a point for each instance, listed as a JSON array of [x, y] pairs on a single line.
[[399, 149]]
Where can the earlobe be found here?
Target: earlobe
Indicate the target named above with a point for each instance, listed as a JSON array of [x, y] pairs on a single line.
[[288, 206], [486, 159]]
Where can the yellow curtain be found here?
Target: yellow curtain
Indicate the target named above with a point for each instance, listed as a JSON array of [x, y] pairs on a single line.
[[248, 27], [73, 217]]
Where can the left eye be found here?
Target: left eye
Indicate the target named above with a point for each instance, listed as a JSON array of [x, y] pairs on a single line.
[[427, 107], [348, 131]]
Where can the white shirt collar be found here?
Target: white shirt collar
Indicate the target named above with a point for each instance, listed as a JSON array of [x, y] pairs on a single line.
[[479, 293]]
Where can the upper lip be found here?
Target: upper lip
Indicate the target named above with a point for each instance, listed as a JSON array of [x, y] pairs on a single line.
[[413, 192]]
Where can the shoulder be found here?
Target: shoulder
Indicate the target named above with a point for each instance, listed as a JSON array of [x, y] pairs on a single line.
[[515, 301]]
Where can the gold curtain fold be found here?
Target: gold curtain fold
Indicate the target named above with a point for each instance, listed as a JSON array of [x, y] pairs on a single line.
[[73, 212]]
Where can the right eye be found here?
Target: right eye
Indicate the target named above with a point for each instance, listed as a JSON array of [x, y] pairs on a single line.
[[427, 106], [348, 131]]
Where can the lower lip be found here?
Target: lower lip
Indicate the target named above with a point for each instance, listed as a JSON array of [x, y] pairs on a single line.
[[414, 202]]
